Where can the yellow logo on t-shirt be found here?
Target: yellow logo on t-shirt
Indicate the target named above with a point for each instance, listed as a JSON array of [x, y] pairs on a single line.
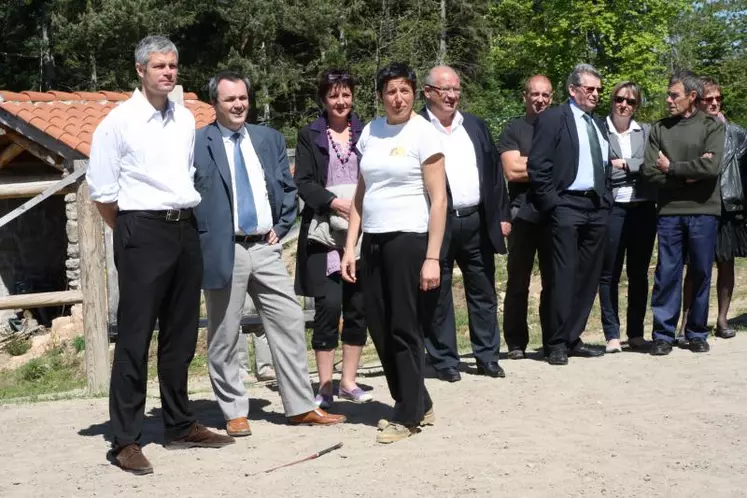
[[398, 152]]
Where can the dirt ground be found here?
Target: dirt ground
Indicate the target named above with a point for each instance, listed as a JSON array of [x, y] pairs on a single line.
[[626, 425]]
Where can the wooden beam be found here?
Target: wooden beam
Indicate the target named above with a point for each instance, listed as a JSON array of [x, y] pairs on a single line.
[[52, 190], [30, 189], [36, 149], [9, 153], [40, 299], [93, 285]]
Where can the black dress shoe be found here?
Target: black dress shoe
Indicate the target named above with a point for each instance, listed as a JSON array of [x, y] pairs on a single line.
[[585, 351], [557, 357], [448, 374], [699, 346], [516, 354], [725, 333], [491, 369], [661, 348]]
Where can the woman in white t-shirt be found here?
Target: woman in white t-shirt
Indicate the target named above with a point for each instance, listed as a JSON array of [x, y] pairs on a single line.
[[400, 204]]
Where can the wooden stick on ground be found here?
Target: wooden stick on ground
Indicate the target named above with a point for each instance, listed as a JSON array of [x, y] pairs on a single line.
[[311, 457]]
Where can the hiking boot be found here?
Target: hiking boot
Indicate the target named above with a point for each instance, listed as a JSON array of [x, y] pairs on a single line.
[[429, 418], [394, 432]]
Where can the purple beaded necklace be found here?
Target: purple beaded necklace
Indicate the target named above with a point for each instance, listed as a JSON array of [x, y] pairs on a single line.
[[343, 159]]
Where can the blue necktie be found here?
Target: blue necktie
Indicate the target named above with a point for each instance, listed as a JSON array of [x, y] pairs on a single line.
[[244, 198]]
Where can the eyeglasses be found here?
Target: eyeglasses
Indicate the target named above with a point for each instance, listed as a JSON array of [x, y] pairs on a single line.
[[446, 91], [711, 100], [590, 89], [619, 100]]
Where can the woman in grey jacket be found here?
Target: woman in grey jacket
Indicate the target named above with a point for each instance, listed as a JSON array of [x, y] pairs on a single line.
[[632, 223]]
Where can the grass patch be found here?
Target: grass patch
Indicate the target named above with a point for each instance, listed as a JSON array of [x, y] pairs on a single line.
[[17, 346], [59, 370]]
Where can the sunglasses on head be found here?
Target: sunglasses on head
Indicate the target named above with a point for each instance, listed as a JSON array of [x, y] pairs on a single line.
[[619, 100], [711, 100]]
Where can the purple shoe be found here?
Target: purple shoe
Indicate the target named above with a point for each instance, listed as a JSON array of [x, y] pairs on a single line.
[[356, 395], [323, 401]]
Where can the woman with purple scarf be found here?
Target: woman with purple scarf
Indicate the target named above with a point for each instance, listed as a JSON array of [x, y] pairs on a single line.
[[326, 174]]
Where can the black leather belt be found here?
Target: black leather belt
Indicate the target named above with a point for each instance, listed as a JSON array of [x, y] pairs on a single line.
[[249, 239], [461, 213], [582, 193], [166, 214]]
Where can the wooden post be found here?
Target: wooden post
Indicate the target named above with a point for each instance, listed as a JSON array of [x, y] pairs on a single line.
[[93, 285], [112, 281]]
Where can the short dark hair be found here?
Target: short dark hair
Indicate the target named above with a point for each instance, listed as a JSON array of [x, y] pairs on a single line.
[[225, 75], [709, 82], [394, 71], [690, 82], [331, 78]]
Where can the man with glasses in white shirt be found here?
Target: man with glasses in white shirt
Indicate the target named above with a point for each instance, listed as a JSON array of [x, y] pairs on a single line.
[[140, 176], [478, 218]]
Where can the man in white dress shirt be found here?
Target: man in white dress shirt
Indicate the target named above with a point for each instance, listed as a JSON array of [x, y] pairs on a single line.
[[140, 176], [478, 218]]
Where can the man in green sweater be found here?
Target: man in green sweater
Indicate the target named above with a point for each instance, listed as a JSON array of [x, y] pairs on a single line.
[[682, 159]]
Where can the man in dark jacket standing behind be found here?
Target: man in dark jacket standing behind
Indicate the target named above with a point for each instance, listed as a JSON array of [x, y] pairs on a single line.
[[478, 218], [682, 159]]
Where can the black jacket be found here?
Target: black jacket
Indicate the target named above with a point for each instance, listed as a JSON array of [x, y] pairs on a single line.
[[553, 161], [312, 158]]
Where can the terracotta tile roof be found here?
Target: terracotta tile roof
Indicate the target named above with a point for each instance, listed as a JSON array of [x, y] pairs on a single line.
[[71, 118]]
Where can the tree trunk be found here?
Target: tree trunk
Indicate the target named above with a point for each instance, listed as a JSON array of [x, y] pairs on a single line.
[[46, 60], [442, 44]]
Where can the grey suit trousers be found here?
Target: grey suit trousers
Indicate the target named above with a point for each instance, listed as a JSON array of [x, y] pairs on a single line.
[[260, 271]]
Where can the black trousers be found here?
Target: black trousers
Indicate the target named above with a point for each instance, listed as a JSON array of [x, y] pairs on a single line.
[[160, 272], [630, 237], [396, 312], [338, 296], [526, 240], [578, 227], [467, 243]]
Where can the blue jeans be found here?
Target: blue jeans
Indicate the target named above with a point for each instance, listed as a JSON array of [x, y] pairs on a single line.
[[694, 235]]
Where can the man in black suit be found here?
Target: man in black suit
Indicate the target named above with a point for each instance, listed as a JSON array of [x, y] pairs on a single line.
[[478, 219], [568, 171]]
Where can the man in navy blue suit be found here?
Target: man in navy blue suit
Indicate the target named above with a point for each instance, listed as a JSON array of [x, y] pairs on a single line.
[[248, 204]]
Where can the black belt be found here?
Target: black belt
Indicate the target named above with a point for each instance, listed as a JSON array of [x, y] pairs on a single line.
[[166, 214], [249, 239], [583, 193], [461, 213]]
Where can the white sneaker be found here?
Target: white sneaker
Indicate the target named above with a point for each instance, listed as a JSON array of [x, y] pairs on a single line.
[[613, 346]]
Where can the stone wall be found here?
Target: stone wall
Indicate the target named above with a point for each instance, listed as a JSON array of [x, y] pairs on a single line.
[[32, 249], [72, 263]]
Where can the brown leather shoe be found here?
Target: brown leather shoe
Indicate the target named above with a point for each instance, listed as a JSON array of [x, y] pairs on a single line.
[[316, 417], [130, 458], [238, 427], [200, 437]]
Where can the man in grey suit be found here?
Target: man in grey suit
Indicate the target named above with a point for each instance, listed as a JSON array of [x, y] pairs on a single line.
[[248, 203]]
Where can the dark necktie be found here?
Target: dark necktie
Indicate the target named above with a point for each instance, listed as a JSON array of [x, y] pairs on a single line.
[[596, 156], [247, 211]]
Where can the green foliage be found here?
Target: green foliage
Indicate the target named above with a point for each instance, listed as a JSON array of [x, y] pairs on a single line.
[[33, 370], [17, 346], [79, 343], [283, 45]]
